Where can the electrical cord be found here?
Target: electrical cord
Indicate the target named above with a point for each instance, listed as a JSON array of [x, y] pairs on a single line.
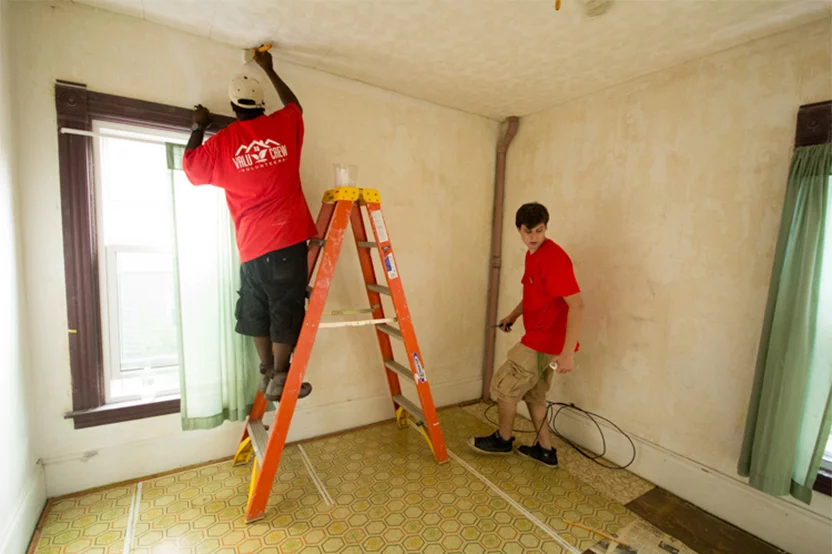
[[551, 418]]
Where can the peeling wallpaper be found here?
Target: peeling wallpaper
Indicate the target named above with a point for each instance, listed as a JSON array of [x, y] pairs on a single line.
[[427, 161], [667, 192], [490, 57]]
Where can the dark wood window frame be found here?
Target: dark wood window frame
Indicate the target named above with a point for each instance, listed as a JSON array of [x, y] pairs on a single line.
[[77, 108], [814, 126], [823, 484]]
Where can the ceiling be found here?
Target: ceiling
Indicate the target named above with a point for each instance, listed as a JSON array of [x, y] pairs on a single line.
[[490, 57]]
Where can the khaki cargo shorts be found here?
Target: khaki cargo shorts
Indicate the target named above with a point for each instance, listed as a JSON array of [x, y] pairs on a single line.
[[519, 378]]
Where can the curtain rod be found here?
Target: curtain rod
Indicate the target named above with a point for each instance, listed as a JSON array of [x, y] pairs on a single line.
[[68, 131]]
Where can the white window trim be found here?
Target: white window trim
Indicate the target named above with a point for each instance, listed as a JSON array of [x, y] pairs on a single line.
[[113, 369], [108, 279]]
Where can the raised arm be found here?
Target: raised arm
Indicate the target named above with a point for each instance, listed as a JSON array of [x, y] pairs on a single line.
[[201, 118], [264, 60]]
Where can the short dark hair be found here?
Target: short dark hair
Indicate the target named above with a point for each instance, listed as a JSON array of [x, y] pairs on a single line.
[[246, 113], [531, 215]]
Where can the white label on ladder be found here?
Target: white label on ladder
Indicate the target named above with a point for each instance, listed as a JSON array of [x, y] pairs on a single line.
[[381, 230], [420, 376], [390, 266]]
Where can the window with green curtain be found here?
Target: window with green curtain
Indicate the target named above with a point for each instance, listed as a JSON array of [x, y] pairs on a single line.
[[790, 411], [825, 308], [218, 368]]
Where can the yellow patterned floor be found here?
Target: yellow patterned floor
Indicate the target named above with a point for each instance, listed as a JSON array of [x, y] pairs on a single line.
[[388, 495]]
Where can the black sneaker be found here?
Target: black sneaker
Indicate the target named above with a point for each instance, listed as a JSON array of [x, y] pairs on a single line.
[[492, 444], [539, 454]]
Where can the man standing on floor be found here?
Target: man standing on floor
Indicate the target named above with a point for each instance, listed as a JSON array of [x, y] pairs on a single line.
[[256, 160], [552, 310]]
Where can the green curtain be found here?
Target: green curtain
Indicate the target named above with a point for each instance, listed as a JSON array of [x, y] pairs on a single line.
[[218, 367], [790, 412]]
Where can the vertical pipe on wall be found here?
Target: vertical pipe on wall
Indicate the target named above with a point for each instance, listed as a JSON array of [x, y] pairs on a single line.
[[496, 253]]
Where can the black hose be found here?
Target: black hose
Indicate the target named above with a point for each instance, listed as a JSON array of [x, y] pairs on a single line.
[[551, 419]]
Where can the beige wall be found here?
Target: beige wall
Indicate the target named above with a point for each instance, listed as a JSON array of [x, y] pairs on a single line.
[[21, 480], [433, 166], [667, 191]]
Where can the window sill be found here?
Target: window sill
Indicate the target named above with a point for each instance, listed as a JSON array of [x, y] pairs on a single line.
[[823, 484], [125, 411]]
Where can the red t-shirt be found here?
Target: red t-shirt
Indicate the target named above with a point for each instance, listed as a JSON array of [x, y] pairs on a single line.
[[257, 163], [548, 278]]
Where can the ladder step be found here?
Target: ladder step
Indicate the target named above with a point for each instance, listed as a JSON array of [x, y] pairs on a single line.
[[365, 244], [259, 439], [317, 242], [390, 330], [355, 311], [381, 289], [399, 368], [358, 323], [409, 406]]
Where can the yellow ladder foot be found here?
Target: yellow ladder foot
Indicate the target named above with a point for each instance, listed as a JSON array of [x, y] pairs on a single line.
[[401, 418], [424, 433], [254, 471], [244, 452]]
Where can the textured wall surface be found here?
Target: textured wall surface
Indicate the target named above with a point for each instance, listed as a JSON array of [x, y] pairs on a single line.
[[434, 167], [667, 193], [21, 481]]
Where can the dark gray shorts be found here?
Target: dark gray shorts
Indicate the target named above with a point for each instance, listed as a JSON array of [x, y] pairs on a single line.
[[272, 300]]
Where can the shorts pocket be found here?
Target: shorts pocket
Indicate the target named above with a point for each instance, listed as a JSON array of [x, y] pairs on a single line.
[[512, 380]]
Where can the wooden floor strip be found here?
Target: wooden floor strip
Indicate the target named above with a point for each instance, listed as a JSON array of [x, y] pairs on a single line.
[[699, 530]]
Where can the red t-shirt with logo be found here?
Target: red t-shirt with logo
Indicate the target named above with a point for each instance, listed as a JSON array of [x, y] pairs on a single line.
[[549, 277], [257, 163]]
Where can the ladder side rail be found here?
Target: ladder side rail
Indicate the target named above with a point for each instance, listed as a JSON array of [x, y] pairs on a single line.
[[300, 359], [365, 257], [415, 359]]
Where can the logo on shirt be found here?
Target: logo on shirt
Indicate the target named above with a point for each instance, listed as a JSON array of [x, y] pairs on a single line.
[[260, 153]]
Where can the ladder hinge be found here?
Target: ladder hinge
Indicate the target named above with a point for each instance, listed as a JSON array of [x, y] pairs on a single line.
[[353, 194]]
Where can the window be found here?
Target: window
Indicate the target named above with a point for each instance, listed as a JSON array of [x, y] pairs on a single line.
[[814, 127], [118, 256], [136, 263], [825, 308]]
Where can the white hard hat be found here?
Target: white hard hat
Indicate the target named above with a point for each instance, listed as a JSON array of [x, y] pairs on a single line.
[[246, 92]]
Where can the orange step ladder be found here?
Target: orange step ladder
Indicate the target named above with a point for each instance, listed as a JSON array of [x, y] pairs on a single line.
[[342, 207]]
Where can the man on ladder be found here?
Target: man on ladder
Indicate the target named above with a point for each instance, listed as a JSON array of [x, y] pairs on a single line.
[[256, 160]]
